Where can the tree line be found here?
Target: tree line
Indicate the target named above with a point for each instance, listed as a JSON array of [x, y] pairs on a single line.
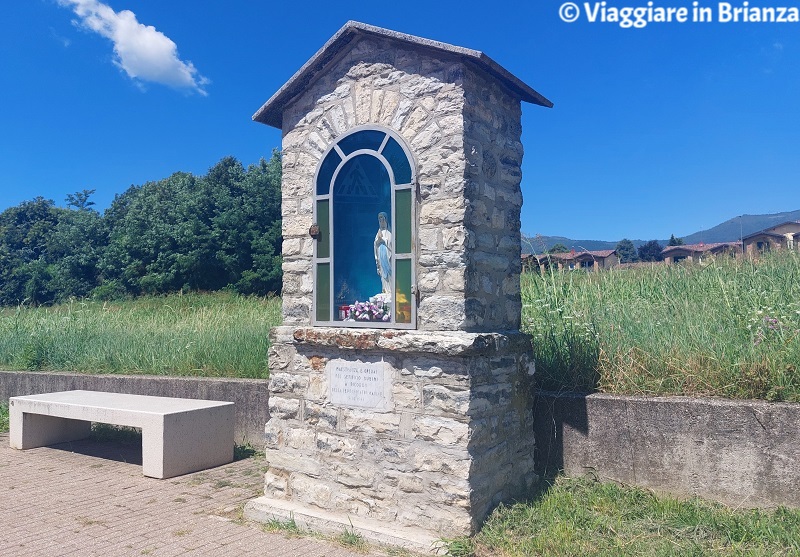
[[629, 253], [212, 232], [649, 251]]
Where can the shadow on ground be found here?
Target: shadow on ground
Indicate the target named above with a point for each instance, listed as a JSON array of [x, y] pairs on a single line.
[[119, 451]]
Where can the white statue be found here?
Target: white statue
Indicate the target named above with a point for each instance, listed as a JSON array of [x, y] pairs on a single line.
[[383, 254]]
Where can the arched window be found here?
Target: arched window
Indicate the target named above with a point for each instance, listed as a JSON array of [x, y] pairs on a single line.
[[364, 254]]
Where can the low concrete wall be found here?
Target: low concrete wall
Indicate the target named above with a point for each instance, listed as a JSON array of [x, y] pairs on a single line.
[[741, 453], [251, 396]]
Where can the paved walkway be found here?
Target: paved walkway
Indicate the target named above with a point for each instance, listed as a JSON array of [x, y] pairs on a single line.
[[90, 498]]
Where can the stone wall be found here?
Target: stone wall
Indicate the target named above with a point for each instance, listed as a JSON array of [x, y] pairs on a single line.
[[454, 441], [467, 203], [375, 84], [741, 453], [492, 142], [249, 395]]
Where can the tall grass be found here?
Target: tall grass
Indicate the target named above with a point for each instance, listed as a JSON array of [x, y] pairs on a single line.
[[730, 328], [220, 334], [579, 516]]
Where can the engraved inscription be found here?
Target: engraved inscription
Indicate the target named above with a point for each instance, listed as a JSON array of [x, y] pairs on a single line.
[[357, 383]]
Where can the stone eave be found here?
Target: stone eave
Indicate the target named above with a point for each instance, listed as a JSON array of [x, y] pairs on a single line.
[[271, 113], [449, 343]]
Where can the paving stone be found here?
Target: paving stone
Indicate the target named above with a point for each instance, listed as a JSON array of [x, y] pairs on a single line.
[[89, 498]]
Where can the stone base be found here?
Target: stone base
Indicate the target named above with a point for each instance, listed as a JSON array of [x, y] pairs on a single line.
[[265, 509], [442, 434]]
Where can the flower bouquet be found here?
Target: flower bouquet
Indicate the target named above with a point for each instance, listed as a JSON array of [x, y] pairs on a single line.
[[377, 308]]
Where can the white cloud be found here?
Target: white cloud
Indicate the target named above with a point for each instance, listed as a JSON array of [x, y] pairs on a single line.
[[144, 53]]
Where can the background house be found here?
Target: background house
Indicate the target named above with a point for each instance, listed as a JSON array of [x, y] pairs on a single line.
[[586, 260], [697, 252], [782, 236]]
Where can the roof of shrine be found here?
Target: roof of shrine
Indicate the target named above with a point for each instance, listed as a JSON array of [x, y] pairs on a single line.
[[271, 113]]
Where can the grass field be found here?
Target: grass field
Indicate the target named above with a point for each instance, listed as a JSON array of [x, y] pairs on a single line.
[[220, 335], [728, 329], [3, 418], [582, 517]]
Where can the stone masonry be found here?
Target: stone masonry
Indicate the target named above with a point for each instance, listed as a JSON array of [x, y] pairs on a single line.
[[460, 411], [464, 131], [452, 437]]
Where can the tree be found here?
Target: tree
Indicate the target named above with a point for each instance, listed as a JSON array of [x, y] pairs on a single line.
[[199, 233], [80, 199], [673, 241], [24, 233], [261, 271], [558, 248], [153, 229], [626, 251], [49, 254], [651, 251], [74, 250], [222, 230], [247, 227]]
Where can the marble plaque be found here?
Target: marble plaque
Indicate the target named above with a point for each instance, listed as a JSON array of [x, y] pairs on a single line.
[[362, 384]]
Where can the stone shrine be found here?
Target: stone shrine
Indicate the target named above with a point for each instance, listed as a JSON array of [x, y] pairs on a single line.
[[399, 381]]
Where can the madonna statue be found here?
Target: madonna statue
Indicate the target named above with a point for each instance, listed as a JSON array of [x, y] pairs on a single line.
[[383, 253]]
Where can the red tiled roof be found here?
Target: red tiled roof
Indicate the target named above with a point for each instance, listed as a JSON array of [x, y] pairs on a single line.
[[599, 254], [769, 231], [699, 248]]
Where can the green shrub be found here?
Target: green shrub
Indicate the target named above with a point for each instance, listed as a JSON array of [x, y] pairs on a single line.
[[3, 418], [109, 291]]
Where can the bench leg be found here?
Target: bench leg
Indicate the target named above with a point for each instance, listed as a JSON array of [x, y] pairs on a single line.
[[187, 442], [28, 431]]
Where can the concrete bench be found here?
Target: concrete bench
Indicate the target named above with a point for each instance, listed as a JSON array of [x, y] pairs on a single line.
[[179, 435]]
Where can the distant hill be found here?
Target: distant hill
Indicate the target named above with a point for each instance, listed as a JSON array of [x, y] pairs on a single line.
[[733, 229], [729, 231], [540, 244]]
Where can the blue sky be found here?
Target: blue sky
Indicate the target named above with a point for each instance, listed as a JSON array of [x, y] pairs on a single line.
[[663, 130]]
